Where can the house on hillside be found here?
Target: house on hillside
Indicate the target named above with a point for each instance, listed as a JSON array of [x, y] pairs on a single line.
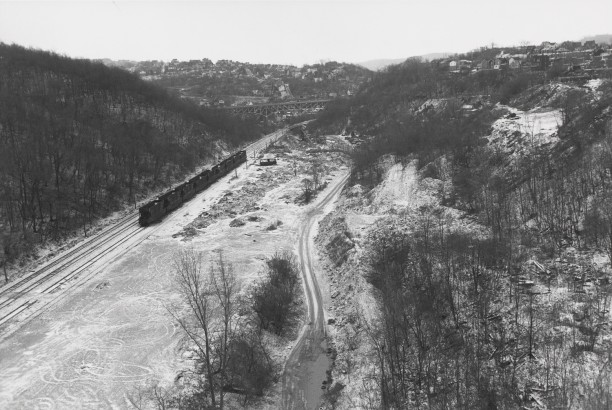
[[284, 91], [501, 63], [460, 66], [515, 62], [548, 46], [487, 64]]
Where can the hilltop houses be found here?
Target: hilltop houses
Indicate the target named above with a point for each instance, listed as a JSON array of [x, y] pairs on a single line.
[[569, 56]]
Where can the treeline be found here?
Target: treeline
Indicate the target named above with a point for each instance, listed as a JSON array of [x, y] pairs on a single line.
[[78, 139]]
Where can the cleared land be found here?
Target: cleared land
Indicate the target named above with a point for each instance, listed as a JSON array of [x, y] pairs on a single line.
[[112, 333]]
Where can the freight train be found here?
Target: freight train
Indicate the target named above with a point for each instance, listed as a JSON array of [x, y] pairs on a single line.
[[174, 198]]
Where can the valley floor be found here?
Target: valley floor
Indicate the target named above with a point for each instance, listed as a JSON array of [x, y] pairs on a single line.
[[113, 335]]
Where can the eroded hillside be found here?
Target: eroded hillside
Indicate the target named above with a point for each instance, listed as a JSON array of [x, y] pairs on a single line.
[[474, 272]]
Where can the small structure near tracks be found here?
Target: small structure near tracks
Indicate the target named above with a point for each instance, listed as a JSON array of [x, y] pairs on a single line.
[[267, 159]]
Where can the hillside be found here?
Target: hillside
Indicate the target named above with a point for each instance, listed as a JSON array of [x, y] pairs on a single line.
[[379, 64], [469, 261], [79, 140], [230, 83]]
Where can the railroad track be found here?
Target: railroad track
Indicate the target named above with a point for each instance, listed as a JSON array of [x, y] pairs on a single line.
[[24, 293], [17, 297], [265, 142], [23, 306], [74, 253], [106, 242]]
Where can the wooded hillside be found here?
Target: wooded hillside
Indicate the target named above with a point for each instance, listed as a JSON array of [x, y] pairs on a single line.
[[78, 139], [498, 294]]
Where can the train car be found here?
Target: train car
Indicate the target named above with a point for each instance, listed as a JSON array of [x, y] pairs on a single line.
[[171, 200], [151, 212], [174, 198], [197, 183], [242, 156], [215, 173], [226, 165], [186, 191], [207, 179]]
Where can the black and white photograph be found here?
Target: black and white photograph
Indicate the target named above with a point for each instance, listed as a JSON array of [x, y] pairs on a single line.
[[306, 204]]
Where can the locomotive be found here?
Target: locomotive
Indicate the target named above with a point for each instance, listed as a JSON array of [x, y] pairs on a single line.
[[175, 197]]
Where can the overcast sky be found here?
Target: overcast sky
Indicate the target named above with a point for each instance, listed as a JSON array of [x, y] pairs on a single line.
[[293, 31]]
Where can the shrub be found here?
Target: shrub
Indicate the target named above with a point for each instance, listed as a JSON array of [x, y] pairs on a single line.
[[273, 298], [236, 222], [274, 225], [249, 366]]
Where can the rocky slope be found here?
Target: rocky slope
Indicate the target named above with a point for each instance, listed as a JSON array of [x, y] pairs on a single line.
[[547, 322]]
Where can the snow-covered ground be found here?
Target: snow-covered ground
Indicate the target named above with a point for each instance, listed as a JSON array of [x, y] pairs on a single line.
[[114, 333], [525, 132], [349, 299], [400, 190]]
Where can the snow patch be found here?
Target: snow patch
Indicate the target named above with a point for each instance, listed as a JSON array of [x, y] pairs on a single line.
[[400, 189], [522, 132]]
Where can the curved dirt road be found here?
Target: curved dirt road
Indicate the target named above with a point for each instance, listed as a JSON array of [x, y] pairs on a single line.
[[308, 361]]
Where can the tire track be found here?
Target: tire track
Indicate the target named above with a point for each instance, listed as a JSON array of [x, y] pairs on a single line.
[[306, 365]]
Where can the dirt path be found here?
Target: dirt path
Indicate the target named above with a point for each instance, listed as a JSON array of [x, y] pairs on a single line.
[[308, 362]]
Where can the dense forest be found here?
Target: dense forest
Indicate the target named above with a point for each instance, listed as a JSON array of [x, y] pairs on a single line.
[[79, 140], [466, 318]]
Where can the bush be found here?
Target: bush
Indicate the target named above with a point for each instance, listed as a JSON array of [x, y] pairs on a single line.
[[513, 88], [274, 225], [273, 298], [236, 223], [249, 367]]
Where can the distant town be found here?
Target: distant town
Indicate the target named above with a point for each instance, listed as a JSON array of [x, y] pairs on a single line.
[[232, 83], [569, 57], [228, 83]]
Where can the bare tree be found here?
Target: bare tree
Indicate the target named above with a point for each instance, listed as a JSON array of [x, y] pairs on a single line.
[[315, 173], [9, 252], [208, 320], [225, 288]]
